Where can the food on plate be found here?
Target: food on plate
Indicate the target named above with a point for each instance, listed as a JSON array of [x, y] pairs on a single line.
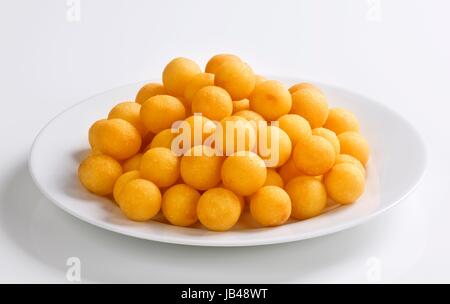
[[224, 144], [219, 209], [270, 206], [115, 137], [98, 173], [344, 183], [140, 200], [179, 205]]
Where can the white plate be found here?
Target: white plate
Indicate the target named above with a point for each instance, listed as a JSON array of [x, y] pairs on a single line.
[[396, 165]]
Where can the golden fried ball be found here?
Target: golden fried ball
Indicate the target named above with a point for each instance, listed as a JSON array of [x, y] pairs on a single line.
[[129, 111], [133, 163], [234, 133], [302, 85], [140, 200], [354, 144], [200, 167], [270, 99], [197, 82], [289, 170], [161, 111], [98, 173], [249, 115], [344, 183], [199, 127], [308, 197], [270, 206], [216, 62], [273, 178], [274, 146], [241, 105], [314, 156], [244, 172], [124, 179], [213, 102], [240, 197], [179, 205], [177, 74], [218, 209], [330, 136], [296, 127], [341, 120], [312, 105], [149, 90], [345, 158], [236, 77], [115, 137], [163, 139], [161, 166]]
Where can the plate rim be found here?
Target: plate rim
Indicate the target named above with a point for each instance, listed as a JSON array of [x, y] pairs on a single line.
[[236, 243]]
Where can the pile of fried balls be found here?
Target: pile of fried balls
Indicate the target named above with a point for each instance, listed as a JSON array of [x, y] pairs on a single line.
[[321, 154]]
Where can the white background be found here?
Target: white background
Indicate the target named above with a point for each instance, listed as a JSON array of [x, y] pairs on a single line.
[[395, 51]]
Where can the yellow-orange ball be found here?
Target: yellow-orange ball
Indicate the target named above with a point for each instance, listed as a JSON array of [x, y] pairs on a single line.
[[270, 99], [198, 128], [296, 127], [314, 156], [197, 82], [270, 206], [344, 183], [289, 170], [330, 136], [200, 167], [133, 163], [161, 166], [163, 139], [236, 77], [218, 209], [149, 90], [161, 111], [115, 137], [216, 62], [234, 133], [341, 120], [241, 105], [98, 173], [308, 197], [273, 179], [312, 105], [240, 197], [249, 115], [274, 146], [345, 158], [302, 85], [129, 111], [213, 102], [122, 181], [179, 205], [177, 74], [354, 144], [140, 200], [244, 172]]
